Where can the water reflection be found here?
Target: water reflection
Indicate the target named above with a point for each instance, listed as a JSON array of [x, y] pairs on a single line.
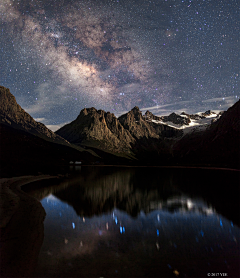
[[125, 222]]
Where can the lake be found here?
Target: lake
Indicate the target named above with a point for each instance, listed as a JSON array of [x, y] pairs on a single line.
[[140, 222]]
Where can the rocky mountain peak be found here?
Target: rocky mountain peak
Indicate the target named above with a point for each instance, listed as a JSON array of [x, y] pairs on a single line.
[[98, 129], [149, 116], [132, 116], [208, 113], [10, 110], [173, 115], [192, 116], [136, 110], [140, 128], [89, 111], [176, 119], [12, 114]]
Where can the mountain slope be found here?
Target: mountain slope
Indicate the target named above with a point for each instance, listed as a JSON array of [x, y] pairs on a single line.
[[130, 134], [139, 126], [12, 114], [22, 153], [218, 145], [97, 128], [28, 147]]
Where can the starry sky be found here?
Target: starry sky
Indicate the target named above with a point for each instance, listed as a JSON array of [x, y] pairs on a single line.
[[59, 56]]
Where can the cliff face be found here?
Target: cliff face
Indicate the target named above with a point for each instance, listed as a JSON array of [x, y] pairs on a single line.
[[149, 116], [133, 122], [12, 114], [129, 133], [97, 128]]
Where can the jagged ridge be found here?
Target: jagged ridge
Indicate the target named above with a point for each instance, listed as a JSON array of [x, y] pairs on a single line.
[[12, 114], [97, 126], [125, 134]]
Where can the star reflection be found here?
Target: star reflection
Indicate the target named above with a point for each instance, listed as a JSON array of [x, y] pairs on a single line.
[[102, 236], [102, 224]]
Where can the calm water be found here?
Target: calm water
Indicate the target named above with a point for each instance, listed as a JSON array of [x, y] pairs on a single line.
[[140, 222]]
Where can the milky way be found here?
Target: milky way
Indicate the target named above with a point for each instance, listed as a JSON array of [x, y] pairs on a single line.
[[58, 57]]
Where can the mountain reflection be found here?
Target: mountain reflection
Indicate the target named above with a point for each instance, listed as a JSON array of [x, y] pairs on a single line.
[[183, 204], [98, 190], [139, 222]]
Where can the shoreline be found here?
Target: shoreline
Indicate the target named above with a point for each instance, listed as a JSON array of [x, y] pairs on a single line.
[[164, 167], [9, 194], [21, 226]]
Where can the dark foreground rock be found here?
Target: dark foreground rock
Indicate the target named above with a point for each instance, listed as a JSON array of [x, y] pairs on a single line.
[[22, 232]]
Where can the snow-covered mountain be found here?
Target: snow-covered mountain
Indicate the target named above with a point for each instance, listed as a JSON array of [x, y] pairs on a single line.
[[188, 123]]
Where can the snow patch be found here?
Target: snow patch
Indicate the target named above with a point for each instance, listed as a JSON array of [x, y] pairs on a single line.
[[194, 125], [184, 116]]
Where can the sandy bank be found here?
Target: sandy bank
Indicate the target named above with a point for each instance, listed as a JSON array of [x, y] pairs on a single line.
[[21, 227]]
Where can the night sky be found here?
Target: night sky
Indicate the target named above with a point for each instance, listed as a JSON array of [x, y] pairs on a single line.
[[58, 57]]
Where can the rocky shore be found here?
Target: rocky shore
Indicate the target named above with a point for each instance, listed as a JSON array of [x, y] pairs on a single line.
[[21, 227]]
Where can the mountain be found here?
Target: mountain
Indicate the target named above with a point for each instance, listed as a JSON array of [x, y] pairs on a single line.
[[29, 147], [129, 134], [96, 128], [218, 145], [98, 190], [176, 119], [12, 114], [184, 121], [139, 127], [188, 139], [96, 136], [152, 140]]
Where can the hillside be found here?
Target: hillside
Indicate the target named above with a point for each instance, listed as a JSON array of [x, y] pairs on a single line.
[[218, 145], [12, 114], [29, 147]]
